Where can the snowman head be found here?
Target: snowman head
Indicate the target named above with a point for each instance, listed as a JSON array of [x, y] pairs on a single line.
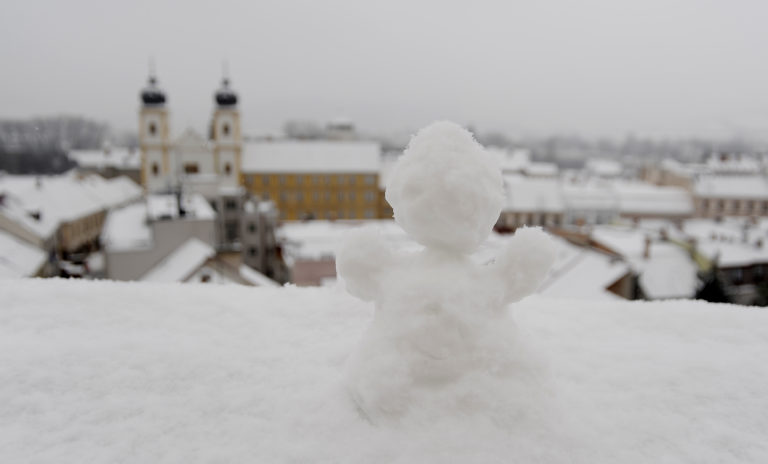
[[446, 190]]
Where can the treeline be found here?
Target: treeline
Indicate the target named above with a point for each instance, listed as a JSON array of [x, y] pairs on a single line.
[[40, 145]]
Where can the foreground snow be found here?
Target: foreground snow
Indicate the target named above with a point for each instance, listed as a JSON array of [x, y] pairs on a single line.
[[129, 372]]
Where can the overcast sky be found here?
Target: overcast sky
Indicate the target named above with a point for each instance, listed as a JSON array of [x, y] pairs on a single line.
[[603, 67]]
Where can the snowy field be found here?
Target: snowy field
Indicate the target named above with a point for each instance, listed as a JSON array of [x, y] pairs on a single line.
[[152, 373]]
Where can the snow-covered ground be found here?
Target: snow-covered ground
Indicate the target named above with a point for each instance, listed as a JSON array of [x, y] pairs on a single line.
[[142, 372]]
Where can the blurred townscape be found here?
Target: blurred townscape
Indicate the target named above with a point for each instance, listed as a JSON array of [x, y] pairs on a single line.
[[634, 219]]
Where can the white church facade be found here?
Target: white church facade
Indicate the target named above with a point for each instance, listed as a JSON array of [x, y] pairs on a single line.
[[191, 159]]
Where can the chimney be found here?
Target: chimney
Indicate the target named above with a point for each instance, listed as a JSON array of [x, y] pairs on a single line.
[[179, 205], [647, 247]]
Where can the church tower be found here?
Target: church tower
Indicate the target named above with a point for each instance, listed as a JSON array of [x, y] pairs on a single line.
[[154, 138], [225, 135]]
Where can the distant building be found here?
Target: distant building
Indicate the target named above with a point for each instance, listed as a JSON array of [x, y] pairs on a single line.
[[109, 162], [62, 215], [139, 236], [318, 179]]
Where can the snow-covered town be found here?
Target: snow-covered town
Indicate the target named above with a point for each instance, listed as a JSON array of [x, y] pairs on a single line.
[[399, 232], [225, 209]]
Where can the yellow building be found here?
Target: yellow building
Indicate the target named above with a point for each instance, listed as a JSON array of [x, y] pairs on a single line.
[[318, 179]]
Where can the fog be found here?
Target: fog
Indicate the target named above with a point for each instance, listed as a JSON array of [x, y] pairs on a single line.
[[599, 68]]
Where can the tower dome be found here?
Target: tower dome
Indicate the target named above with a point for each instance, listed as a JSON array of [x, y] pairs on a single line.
[[151, 94], [225, 96]]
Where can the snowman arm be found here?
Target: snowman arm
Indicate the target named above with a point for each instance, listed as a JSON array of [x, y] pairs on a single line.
[[361, 262], [524, 262]]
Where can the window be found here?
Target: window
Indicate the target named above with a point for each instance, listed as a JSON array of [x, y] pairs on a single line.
[[191, 168], [340, 196], [227, 169], [299, 196], [299, 180], [352, 180], [155, 169], [252, 251], [225, 129], [351, 196], [152, 128], [315, 180], [369, 213], [230, 205], [265, 180], [315, 196], [341, 180], [281, 180], [370, 196], [230, 231], [251, 227], [370, 180]]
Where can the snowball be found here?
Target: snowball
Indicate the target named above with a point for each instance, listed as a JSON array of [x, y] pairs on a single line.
[[446, 190]]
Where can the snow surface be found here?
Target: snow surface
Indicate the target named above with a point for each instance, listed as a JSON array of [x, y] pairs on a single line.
[[137, 373], [320, 156]]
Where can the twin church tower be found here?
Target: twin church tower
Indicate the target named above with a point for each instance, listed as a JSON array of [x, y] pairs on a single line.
[[165, 164]]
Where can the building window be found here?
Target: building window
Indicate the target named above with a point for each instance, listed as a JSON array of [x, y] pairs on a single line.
[[227, 169], [281, 180], [315, 196], [265, 180], [225, 129], [252, 251], [369, 213], [251, 227], [155, 169], [370, 196], [230, 205], [152, 128], [341, 180], [370, 180], [340, 196], [299, 196], [299, 180], [191, 168], [315, 180], [352, 180], [351, 196], [230, 231]]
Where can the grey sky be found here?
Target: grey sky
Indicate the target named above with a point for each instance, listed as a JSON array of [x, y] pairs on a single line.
[[604, 67]]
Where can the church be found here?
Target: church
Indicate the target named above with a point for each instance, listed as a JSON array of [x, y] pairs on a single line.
[[190, 159], [328, 177]]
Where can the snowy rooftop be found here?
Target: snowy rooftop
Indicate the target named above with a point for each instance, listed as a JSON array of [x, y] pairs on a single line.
[[113, 157], [166, 207], [667, 272], [643, 198], [319, 156], [127, 228], [604, 167], [62, 198], [140, 372], [732, 242], [18, 258], [533, 194], [747, 186], [181, 263], [582, 273]]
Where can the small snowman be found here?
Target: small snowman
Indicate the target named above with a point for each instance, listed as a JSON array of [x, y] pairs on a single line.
[[441, 328]]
